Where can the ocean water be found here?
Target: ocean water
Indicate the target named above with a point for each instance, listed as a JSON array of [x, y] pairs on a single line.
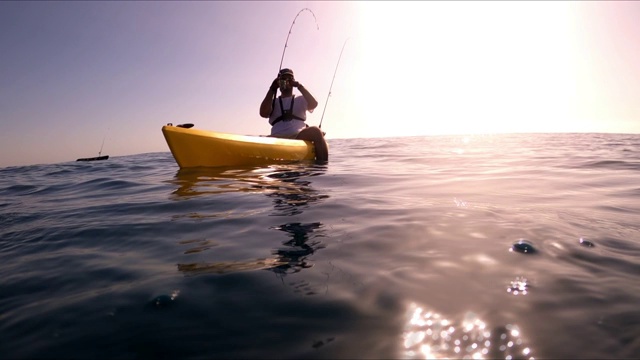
[[494, 246]]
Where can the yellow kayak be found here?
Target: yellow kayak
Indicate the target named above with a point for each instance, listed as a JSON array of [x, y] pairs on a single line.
[[192, 148]]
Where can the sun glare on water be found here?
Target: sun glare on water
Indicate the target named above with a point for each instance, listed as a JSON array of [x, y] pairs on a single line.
[[463, 67]]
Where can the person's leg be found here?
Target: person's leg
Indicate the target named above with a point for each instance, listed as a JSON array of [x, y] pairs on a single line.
[[314, 134]]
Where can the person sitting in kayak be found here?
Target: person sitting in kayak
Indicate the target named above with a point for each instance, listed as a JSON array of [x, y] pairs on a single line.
[[287, 113]]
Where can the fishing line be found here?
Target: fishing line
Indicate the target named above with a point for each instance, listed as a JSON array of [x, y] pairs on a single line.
[[331, 86], [290, 28]]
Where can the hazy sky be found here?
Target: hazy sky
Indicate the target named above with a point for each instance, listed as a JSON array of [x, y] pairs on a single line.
[[76, 73]]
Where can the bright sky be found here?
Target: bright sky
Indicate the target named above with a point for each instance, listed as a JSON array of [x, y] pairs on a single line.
[[76, 73]]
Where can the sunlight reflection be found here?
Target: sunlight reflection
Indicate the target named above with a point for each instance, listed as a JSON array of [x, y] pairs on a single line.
[[518, 286], [428, 335], [460, 203], [464, 142]]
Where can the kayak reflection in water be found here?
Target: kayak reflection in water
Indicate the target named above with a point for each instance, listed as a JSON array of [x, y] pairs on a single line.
[[291, 190], [290, 187], [294, 256], [287, 114]]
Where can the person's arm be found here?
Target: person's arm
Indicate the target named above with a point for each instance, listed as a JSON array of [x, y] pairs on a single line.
[[267, 104], [312, 103]]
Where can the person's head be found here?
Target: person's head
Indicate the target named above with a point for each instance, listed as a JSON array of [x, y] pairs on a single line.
[[285, 77]]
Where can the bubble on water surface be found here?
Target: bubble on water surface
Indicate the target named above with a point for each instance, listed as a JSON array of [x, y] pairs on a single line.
[[523, 246], [163, 301], [586, 243]]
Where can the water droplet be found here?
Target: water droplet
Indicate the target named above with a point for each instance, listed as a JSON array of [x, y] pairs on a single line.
[[523, 246], [586, 243], [161, 301]]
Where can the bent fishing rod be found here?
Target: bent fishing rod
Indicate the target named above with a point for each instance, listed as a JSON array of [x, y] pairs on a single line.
[[284, 50], [290, 28], [331, 86]]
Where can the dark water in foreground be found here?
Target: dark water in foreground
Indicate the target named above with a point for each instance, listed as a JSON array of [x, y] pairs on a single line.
[[398, 248]]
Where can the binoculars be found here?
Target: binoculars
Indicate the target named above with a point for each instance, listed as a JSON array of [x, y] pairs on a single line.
[[284, 83]]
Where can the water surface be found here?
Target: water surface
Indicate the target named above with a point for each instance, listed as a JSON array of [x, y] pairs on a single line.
[[494, 246]]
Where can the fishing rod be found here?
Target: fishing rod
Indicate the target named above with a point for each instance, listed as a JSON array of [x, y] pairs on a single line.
[[290, 28], [101, 146], [334, 77], [273, 100]]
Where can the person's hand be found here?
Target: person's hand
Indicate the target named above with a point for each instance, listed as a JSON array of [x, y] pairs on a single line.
[[274, 85], [296, 84]]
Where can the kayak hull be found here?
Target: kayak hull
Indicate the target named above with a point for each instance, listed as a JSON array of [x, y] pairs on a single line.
[[204, 148], [104, 157]]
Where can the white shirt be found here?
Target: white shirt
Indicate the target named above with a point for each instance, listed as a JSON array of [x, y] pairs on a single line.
[[291, 128]]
